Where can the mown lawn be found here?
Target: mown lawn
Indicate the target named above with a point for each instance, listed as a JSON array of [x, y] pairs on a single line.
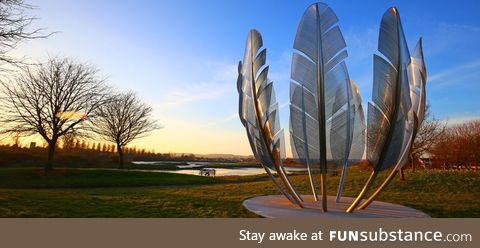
[[94, 178], [114, 193]]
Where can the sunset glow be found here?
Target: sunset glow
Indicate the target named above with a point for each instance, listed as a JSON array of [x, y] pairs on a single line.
[[187, 72]]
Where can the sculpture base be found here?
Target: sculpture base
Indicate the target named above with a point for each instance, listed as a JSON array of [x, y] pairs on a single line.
[[277, 206]]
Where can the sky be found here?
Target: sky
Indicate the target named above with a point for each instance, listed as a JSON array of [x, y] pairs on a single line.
[[181, 56]]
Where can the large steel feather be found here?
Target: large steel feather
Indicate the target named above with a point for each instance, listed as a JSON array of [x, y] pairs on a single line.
[[390, 115], [319, 102], [357, 149], [258, 111], [356, 132], [417, 77]]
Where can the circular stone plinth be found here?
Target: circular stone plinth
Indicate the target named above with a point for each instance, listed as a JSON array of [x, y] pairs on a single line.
[[277, 206]]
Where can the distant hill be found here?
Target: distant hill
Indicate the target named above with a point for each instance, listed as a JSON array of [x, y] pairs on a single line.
[[225, 156]]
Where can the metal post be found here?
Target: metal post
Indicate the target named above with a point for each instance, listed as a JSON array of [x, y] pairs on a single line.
[[364, 191], [375, 194], [342, 182]]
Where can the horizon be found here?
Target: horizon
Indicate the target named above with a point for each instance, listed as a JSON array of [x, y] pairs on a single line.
[[192, 88]]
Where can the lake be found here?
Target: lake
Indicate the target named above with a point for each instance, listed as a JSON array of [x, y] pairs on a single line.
[[219, 172], [193, 168]]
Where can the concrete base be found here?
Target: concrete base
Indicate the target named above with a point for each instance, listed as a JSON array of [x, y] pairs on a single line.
[[277, 206]]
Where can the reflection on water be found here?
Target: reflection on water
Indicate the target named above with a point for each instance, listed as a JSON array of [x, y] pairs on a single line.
[[221, 172], [193, 168]]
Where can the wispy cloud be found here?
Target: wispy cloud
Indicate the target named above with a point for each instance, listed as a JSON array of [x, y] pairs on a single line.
[[194, 92], [447, 75], [234, 116], [283, 105], [361, 44], [220, 81], [447, 36], [228, 118], [460, 120], [279, 71]]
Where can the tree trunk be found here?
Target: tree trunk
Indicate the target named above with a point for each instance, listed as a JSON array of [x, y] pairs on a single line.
[[402, 175], [51, 152], [121, 157], [412, 158]]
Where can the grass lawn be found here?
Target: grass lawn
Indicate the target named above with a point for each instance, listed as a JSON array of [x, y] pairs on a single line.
[[29, 192]]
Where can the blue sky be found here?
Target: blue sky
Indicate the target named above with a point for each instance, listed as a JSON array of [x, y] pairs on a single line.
[[181, 56]]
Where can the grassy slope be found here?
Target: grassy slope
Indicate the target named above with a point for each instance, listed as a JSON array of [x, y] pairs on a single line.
[[97, 193]]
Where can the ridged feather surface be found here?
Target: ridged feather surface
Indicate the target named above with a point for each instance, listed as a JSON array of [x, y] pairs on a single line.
[[357, 149], [258, 109], [320, 109], [417, 76], [389, 114]]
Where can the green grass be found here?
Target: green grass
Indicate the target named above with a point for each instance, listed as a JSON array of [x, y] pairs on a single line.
[[94, 178], [114, 193]]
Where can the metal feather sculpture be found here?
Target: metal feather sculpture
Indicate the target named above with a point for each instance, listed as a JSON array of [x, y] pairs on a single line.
[[327, 122], [417, 77], [390, 114], [259, 114], [320, 108]]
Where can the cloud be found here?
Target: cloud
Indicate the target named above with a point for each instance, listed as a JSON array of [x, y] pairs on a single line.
[[221, 78], [457, 120], [228, 118], [361, 43], [447, 36], [194, 92], [234, 116], [279, 71], [283, 105], [450, 74]]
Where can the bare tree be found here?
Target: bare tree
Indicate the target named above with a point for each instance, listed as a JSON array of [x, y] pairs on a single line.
[[458, 147], [14, 28], [427, 135], [123, 119], [52, 100]]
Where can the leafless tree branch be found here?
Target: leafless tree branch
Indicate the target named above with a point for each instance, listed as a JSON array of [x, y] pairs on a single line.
[[458, 147], [14, 28], [427, 135]]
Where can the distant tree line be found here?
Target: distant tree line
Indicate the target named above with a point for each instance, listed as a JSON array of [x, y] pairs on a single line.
[[89, 154], [458, 147]]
